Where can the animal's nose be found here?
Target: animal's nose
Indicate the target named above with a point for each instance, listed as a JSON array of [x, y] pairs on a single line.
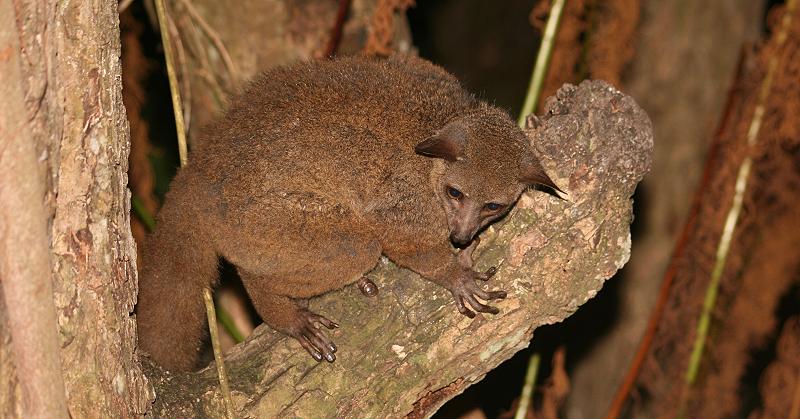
[[460, 239]]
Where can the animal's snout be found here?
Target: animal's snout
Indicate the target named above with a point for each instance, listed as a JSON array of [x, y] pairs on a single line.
[[460, 239]]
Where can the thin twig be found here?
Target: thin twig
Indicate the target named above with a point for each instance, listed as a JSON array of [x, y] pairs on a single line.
[[542, 60], [732, 218], [183, 151], [204, 69], [161, 11], [186, 85], [216, 90], [223, 375], [233, 72], [527, 389]]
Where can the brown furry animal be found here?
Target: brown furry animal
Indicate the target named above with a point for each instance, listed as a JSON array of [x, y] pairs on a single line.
[[315, 171]]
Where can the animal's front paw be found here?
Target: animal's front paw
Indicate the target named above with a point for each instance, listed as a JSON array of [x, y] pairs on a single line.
[[307, 331], [465, 290]]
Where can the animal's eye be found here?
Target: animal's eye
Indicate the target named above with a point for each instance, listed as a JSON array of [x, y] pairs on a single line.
[[454, 193], [493, 206]]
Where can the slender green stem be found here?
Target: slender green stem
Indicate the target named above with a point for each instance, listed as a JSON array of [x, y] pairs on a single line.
[[229, 325], [527, 389], [161, 11], [542, 61], [223, 375], [531, 99], [143, 213], [732, 218]]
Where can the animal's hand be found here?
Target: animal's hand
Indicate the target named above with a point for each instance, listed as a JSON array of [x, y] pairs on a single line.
[[307, 331], [465, 290], [456, 274]]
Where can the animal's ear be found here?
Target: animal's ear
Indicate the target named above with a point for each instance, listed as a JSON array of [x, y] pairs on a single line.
[[534, 174], [447, 144]]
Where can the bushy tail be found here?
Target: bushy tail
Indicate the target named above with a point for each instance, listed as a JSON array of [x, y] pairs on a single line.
[[179, 261]]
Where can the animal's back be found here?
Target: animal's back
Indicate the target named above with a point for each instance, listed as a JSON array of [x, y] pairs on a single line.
[[329, 124]]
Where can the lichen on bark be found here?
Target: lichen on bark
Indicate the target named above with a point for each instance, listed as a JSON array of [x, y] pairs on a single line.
[[407, 351]]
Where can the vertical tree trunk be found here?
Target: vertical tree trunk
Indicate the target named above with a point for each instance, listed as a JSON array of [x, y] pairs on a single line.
[[62, 60], [26, 297]]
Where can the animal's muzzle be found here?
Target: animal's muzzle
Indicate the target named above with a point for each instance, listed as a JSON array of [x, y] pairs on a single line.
[[460, 239]]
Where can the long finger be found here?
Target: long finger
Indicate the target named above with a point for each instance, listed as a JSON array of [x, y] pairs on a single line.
[[326, 342], [477, 306], [462, 308], [321, 342], [309, 347], [316, 318], [490, 295]]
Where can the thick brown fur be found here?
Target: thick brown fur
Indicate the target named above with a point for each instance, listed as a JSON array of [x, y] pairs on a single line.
[[309, 177]]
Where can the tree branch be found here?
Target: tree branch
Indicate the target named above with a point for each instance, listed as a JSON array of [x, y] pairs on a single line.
[[407, 351]]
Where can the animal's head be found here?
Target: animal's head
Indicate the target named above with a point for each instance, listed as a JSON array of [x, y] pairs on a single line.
[[486, 162]]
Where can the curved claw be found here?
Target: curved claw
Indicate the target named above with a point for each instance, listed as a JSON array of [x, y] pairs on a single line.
[[485, 276], [321, 343], [316, 318], [462, 308], [309, 347]]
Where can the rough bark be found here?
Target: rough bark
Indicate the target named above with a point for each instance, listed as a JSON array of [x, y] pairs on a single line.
[[407, 351], [69, 74], [29, 352]]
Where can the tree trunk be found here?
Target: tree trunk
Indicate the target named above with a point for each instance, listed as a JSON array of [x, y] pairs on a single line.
[[64, 127]]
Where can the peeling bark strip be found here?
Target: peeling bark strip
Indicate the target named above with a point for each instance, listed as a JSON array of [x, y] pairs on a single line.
[[407, 350], [69, 107]]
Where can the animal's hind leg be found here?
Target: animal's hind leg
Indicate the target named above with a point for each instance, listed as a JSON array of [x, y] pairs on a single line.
[[291, 317]]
